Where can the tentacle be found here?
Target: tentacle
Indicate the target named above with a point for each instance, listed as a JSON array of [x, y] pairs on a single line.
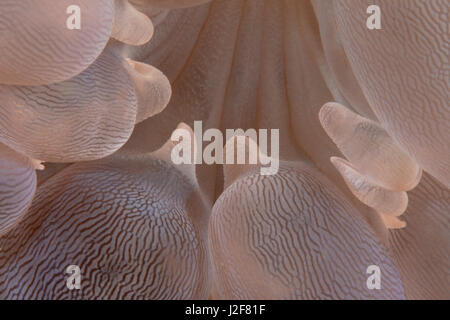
[[384, 201], [369, 148], [392, 222], [153, 89], [130, 25]]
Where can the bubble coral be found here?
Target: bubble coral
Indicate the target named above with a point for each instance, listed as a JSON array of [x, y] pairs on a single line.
[[364, 158]]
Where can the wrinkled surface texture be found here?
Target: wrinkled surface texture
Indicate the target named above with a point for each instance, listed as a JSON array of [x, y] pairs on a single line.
[[364, 172]]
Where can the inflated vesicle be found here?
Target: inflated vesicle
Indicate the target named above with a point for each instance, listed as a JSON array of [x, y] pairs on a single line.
[[369, 148], [403, 72], [131, 26], [294, 236], [384, 201], [38, 44], [128, 223], [17, 187], [153, 90], [392, 222], [87, 117]]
